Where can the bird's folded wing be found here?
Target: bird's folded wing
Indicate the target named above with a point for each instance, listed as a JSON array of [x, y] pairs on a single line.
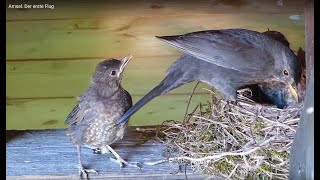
[[228, 50], [81, 114], [72, 117]]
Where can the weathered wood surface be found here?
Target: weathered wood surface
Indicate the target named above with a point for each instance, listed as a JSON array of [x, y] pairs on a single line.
[[51, 54], [302, 150], [48, 154]]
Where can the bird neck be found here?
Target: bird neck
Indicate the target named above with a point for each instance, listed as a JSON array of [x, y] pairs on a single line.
[[105, 90]]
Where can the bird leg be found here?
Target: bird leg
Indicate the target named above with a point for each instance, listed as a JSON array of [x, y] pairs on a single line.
[[82, 170], [120, 160]]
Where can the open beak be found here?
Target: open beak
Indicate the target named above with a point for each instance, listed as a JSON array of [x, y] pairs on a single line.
[[125, 61], [293, 92]]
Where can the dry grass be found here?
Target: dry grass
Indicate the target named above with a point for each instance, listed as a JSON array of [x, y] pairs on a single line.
[[236, 141]]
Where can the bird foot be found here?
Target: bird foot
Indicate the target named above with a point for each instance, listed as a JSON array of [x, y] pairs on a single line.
[[96, 151], [84, 172], [100, 151], [122, 162]]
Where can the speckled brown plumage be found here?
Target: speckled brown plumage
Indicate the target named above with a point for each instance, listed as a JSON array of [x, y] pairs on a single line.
[[92, 121]]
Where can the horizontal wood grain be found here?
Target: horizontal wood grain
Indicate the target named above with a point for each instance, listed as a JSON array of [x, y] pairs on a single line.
[[51, 54], [51, 113], [108, 37], [48, 154], [124, 8], [70, 78]]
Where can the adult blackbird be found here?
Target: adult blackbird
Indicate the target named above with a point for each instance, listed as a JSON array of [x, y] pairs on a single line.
[[92, 121], [255, 55], [227, 60], [276, 35]]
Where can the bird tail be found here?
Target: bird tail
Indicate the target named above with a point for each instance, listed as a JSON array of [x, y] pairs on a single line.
[[171, 81]]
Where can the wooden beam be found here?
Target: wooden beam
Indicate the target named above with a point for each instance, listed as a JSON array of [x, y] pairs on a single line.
[[116, 37], [147, 8], [70, 78], [302, 150], [51, 113], [48, 154]]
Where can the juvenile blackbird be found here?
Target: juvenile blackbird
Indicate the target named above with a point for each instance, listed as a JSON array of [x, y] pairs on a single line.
[[227, 60], [92, 122]]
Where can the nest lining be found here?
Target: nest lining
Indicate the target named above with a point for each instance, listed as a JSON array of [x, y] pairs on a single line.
[[235, 141]]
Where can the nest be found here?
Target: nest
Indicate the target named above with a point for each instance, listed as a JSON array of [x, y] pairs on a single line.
[[237, 141]]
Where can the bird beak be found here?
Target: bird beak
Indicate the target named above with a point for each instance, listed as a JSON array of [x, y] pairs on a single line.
[[125, 61], [293, 92]]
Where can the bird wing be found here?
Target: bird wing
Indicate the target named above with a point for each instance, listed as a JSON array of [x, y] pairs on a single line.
[[235, 49], [83, 112], [80, 115], [72, 117], [79, 119]]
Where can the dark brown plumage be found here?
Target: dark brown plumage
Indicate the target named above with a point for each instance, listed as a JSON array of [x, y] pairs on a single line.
[[92, 121]]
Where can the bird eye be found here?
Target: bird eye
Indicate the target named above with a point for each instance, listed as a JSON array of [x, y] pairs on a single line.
[[113, 73], [285, 72]]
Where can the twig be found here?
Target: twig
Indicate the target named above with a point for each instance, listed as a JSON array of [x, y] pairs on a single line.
[[233, 171], [205, 158], [190, 97]]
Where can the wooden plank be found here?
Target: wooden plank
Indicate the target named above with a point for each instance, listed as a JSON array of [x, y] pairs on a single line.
[[70, 78], [51, 113], [309, 12], [48, 154], [179, 176], [302, 150], [114, 37], [116, 8]]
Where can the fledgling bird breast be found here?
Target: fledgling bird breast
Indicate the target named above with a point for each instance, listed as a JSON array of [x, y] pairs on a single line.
[[102, 130]]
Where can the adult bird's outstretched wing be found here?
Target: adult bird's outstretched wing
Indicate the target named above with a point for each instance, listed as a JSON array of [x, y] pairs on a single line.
[[238, 49]]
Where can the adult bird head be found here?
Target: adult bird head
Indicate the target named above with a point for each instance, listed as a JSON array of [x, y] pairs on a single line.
[[292, 64], [287, 69], [108, 74]]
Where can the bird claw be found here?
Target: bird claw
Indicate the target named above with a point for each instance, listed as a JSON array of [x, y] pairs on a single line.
[[96, 151], [122, 162], [83, 171], [100, 151]]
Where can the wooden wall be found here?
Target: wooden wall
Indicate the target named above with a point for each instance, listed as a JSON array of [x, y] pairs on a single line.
[[51, 54]]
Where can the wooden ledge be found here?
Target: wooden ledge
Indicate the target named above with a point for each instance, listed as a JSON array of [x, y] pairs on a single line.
[[48, 154]]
